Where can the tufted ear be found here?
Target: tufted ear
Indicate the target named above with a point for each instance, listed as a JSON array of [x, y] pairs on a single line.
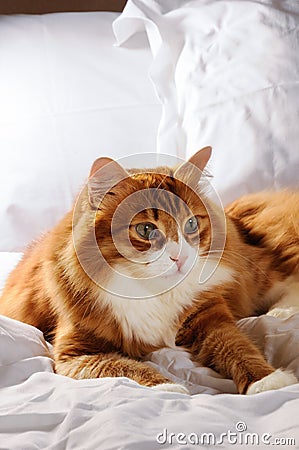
[[104, 174], [190, 171]]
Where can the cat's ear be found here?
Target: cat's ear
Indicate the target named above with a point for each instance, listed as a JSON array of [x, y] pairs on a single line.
[[104, 174], [190, 171]]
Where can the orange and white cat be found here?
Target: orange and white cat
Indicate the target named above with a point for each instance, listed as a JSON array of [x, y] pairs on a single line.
[[121, 275]]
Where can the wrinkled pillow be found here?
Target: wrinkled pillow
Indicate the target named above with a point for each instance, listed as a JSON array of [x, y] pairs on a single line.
[[227, 72]]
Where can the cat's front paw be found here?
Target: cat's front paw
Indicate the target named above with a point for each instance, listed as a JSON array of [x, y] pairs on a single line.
[[171, 387], [275, 380]]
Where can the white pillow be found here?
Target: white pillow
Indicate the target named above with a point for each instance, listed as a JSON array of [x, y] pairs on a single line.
[[67, 96], [8, 261], [227, 72]]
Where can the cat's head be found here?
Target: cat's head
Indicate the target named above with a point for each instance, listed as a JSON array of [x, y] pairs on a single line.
[[150, 224]]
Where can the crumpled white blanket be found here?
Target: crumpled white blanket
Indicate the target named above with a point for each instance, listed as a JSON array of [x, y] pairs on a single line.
[[42, 410]]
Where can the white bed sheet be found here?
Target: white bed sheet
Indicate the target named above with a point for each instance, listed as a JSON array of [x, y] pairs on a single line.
[[42, 410]]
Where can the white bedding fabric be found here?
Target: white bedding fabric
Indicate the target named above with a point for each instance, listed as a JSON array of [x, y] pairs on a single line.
[[67, 96], [227, 73], [8, 260], [42, 410]]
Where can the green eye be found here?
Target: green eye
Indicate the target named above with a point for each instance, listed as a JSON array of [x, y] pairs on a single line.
[[191, 225], [145, 229]]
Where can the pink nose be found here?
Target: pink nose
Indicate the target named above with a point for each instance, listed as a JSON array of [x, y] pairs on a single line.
[[179, 260]]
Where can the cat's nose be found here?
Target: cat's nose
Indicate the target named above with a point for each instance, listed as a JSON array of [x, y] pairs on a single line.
[[179, 260]]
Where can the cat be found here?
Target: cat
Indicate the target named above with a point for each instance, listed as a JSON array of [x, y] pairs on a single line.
[[121, 275]]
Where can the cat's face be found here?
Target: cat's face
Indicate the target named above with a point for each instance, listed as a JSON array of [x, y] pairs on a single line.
[[151, 226], [157, 229]]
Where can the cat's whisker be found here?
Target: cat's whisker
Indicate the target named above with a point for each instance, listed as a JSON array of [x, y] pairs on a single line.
[[224, 256]]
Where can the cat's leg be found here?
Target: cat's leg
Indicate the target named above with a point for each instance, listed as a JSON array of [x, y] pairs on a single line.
[[72, 359], [215, 341]]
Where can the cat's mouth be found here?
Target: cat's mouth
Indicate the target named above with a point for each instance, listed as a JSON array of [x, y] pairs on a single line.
[[178, 271]]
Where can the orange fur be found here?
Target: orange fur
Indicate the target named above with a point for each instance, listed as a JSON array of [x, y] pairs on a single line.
[[94, 336]]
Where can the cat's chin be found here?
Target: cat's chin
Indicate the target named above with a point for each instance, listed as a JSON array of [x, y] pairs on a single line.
[[163, 283], [172, 280], [172, 276], [177, 274]]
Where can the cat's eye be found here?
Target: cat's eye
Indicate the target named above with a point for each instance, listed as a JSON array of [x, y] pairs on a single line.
[[145, 230], [191, 226]]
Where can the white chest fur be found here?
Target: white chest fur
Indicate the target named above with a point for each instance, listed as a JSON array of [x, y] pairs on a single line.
[[150, 319], [154, 320]]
